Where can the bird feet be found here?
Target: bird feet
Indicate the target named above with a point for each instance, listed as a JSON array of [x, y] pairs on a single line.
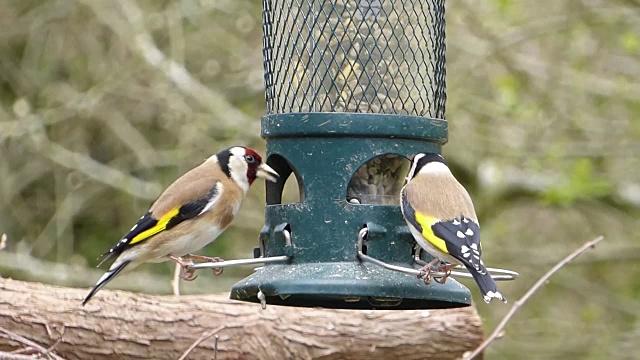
[[446, 268], [185, 273], [425, 271], [200, 258]]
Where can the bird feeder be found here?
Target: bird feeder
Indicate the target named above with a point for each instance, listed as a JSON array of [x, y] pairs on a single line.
[[353, 88]]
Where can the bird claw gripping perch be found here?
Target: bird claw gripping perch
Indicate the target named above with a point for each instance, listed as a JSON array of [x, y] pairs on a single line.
[[217, 271], [446, 269], [186, 273], [186, 262], [206, 259], [216, 264], [425, 272]]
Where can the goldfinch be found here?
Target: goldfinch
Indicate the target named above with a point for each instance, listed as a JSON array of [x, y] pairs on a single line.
[[442, 219], [189, 214]]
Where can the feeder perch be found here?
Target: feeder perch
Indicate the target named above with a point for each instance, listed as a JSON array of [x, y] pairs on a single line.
[[353, 88]]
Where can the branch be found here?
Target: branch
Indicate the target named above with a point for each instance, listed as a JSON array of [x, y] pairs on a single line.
[[88, 166], [162, 327], [512, 178], [100, 172], [128, 24], [15, 356], [520, 302], [485, 44]]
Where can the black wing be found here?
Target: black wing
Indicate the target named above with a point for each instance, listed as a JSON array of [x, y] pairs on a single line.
[[148, 221], [409, 212], [462, 237], [195, 207]]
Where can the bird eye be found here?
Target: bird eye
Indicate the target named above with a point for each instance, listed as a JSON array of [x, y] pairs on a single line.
[[250, 159]]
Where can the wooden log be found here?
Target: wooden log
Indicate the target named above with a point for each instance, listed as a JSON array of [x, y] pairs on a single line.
[[122, 325]]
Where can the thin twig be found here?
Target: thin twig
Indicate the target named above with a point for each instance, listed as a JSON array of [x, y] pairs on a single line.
[[175, 282], [24, 341], [202, 338], [102, 173], [52, 347], [14, 356], [3, 241], [25, 351], [215, 347], [143, 44], [499, 330]]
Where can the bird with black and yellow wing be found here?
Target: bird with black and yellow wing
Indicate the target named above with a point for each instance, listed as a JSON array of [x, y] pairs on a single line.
[[191, 213], [443, 221]]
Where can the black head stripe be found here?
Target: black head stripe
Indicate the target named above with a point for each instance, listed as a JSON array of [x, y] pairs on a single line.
[[428, 158], [223, 159]]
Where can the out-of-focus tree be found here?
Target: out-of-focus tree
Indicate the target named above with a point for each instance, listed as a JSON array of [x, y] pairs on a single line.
[[545, 121], [103, 103], [106, 102]]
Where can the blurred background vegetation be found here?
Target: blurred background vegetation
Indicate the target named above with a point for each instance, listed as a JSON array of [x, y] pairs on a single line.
[[103, 103]]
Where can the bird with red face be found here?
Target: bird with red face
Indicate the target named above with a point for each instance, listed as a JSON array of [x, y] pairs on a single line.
[[191, 213]]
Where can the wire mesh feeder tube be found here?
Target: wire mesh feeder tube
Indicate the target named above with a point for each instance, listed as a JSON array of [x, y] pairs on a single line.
[[358, 56]]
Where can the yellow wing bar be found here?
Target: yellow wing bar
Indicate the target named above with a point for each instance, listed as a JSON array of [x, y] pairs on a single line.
[[160, 226], [426, 222]]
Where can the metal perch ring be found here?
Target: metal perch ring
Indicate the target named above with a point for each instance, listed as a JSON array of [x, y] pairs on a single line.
[[496, 274]]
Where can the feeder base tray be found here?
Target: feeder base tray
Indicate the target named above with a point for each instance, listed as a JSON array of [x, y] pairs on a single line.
[[347, 285]]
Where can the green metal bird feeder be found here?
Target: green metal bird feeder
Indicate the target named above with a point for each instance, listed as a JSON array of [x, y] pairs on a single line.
[[353, 88]]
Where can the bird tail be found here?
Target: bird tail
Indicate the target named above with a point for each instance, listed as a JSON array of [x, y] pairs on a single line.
[[487, 285], [104, 257], [108, 276]]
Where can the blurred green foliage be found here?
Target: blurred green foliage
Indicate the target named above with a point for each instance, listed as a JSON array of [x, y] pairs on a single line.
[[581, 185], [103, 103]]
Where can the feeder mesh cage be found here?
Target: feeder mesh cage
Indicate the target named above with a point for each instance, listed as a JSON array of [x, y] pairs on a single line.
[[357, 56]]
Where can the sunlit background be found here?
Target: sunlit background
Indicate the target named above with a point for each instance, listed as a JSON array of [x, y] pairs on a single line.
[[104, 103]]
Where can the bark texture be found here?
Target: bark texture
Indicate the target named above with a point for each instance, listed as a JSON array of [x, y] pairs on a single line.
[[121, 325]]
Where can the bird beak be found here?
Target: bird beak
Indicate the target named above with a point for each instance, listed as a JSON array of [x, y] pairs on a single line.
[[267, 173]]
